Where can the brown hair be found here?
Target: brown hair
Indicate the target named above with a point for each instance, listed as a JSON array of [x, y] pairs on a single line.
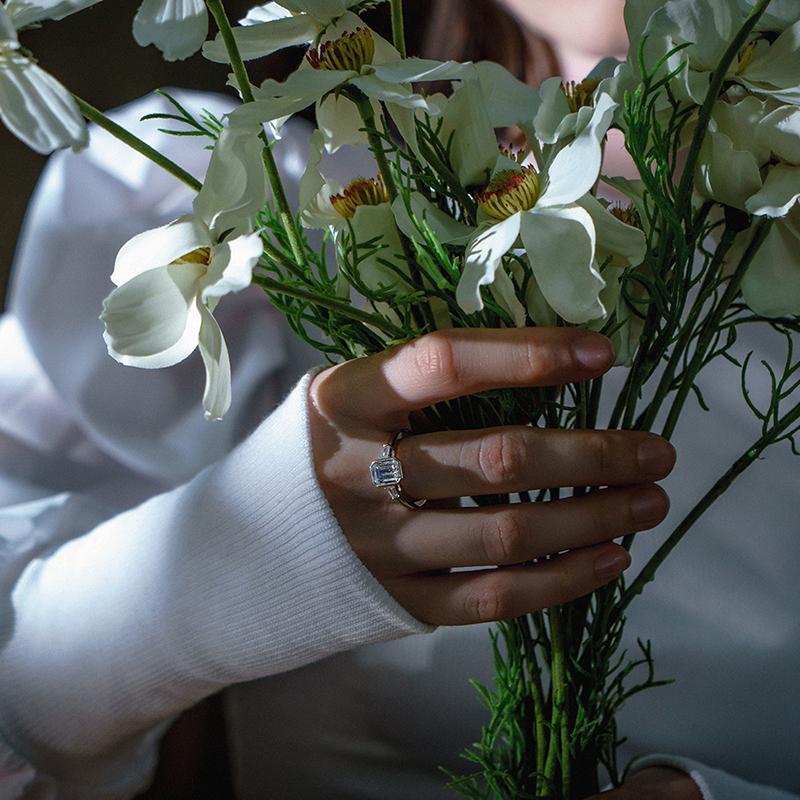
[[478, 30]]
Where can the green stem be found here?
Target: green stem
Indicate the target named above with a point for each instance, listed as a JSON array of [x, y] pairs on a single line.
[[398, 28], [339, 306], [243, 81], [367, 115], [717, 490], [135, 143], [714, 88], [559, 723]]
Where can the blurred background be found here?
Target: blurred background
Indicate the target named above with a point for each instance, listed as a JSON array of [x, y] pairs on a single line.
[[93, 53]]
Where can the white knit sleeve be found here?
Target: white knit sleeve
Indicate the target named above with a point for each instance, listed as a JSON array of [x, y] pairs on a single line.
[[714, 784], [241, 573]]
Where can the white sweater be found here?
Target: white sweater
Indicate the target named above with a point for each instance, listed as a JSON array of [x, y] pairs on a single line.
[[149, 558]]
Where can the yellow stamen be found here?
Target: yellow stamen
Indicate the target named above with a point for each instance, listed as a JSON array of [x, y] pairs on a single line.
[[627, 214], [350, 52], [515, 154], [361, 192], [510, 192], [746, 57], [580, 95], [200, 256]]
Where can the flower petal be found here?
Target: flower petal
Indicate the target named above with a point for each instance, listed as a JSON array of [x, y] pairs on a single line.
[[418, 70], [29, 12], [623, 243], [560, 243], [780, 134], [159, 247], [235, 187], [152, 321], [231, 266], [443, 226], [576, 167], [304, 82], [371, 222], [217, 393], [553, 118], [400, 95], [505, 294], [483, 258], [724, 174], [264, 38], [771, 286], [773, 71], [177, 28], [509, 101], [340, 122], [37, 108], [268, 12], [780, 193], [323, 10]]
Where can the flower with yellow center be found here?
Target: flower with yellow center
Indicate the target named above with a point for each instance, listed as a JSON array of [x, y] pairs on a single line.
[[580, 95], [351, 51], [170, 279], [361, 192], [540, 208]]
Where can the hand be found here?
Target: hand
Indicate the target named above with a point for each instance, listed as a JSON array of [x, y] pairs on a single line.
[[357, 406], [655, 783]]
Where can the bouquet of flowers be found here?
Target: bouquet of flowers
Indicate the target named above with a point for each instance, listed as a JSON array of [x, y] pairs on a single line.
[[459, 228]]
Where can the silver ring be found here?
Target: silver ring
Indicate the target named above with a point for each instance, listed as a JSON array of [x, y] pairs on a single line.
[[387, 473]]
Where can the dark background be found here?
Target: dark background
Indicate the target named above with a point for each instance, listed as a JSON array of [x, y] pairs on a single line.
[[93, 53]]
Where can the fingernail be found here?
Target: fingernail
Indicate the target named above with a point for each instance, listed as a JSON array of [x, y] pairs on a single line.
[[656, 456], [609, 565], [593, 352], [647, 505]]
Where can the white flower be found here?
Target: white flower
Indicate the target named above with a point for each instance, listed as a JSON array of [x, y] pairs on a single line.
[[176, 27], [33, 104], [30, 12], [541, 208], [771, 285], [170, 279], [350, 55], [274, 26], [362, 207]]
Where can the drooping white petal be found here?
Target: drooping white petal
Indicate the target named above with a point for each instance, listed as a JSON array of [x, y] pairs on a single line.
[[231, 265], [553, 119], [509, 101], [257, 40], [400, 95], [468, 130], [771, 285], [316, 209], [305, 82], [268, 12], [576, 167], [743, 124], [780, 193], [505, 294], [153, 321], [483, 257], [780, 133], [371, 222], [323, 10], [177, 28], [773, 71], [29, 12], [623, 243], [8, 31], [560, 243], [235, 187], [272, 110], [444, 227], [159, 247], [340, 123], [217, 393], [724, 174], [418, 70], [37, 108]]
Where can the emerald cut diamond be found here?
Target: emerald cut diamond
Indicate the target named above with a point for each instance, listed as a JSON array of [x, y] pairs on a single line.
[[386, 472]]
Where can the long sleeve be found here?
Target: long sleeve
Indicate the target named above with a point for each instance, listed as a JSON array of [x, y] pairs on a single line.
[[714, 784], [147, 556]]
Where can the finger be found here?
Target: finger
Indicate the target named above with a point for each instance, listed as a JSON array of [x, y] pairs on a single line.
[[384, 388], [467, 598], [512, 534], [519, 458]]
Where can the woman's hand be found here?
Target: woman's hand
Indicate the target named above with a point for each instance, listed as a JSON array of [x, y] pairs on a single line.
[[358, 406], [655, 783]]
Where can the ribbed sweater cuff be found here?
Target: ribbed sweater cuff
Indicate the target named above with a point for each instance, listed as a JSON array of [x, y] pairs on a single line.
[[714, 784]]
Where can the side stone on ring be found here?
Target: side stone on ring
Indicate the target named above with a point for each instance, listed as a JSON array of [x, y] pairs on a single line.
[[387, 473]]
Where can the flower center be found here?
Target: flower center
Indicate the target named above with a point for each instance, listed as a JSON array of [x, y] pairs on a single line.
[[361, 192], [200, 256], [510, 192], [627, 214], [350, 52], [513, 153], [580, 95]]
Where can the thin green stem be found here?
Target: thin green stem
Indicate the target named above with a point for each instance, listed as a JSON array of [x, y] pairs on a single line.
[[558, 751], [341, 307], [245, 89], [135, 143], [398, 28], [751, 455]]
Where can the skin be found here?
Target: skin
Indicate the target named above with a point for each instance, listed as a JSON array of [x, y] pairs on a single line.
[[357, 406]]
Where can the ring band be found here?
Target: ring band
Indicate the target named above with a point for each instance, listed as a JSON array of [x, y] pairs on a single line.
[[387, 473]]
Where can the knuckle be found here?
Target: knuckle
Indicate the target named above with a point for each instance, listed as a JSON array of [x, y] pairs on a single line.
[[501, 457], [600, 449], [434, 361], [503, 539], [491, 602]]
